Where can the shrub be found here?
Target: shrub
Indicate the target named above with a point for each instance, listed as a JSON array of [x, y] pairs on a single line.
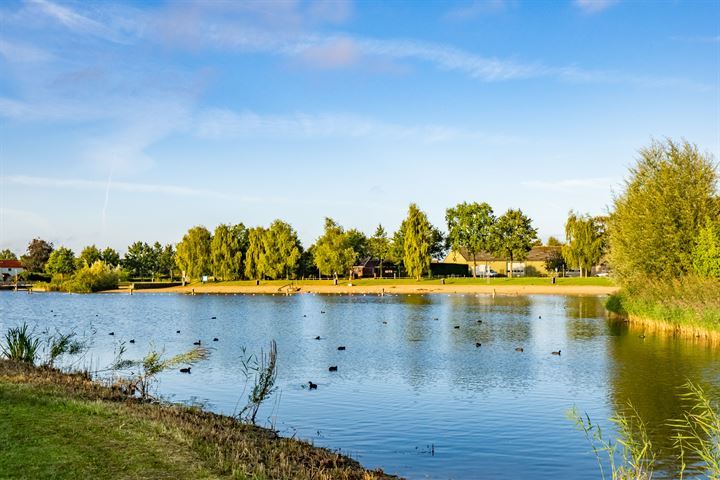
[[95, 278]]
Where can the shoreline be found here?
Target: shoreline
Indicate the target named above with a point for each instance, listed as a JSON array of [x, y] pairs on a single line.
[[396, 289]]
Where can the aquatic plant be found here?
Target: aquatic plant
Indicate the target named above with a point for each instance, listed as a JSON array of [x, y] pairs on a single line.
[[630, 456], [698, 432], [696, 439], [262, 369], [21, 345], [150, 366]]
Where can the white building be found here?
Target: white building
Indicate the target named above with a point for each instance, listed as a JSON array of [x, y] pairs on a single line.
[[9, 269]]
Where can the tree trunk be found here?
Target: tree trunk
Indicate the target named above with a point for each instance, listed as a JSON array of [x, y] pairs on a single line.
[[511, 266], [474, 267]]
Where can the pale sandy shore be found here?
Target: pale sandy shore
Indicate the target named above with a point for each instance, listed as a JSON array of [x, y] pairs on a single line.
[[345, 289]]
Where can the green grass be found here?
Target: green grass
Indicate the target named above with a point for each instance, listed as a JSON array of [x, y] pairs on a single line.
[[63, 426], [48, 435], [686, 302], [594, 281]]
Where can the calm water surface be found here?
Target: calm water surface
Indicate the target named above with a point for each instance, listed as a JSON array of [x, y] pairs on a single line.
[[414, 396]]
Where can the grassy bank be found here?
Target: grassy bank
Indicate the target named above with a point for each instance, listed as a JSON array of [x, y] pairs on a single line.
[[56, 425], [687, 306]]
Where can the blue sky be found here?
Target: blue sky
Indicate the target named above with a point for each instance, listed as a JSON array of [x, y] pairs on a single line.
[[137, 120]]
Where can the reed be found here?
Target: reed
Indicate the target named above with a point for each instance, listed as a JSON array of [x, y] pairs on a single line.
[[21, 345], [262, 369]]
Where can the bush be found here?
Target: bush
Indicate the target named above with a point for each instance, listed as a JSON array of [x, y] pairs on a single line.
[[98, 277]]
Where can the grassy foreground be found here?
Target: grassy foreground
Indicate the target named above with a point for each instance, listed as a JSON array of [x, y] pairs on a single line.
[[57, 425]]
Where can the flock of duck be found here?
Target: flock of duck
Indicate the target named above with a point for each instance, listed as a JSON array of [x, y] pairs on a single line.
[[332, 368]]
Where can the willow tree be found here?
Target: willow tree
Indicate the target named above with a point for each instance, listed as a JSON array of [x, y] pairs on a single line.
[[192, 256], [227, 249], [470, 227], [670, 195], [585, 242], [333, 252], [513, 236], [281, 251], [417, 233], [253, 267]]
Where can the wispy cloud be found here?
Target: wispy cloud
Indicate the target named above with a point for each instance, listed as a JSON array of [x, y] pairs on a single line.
[[99, 185], [22, 53], [222, 123], [572, 184], [594, 6], [477, 8]]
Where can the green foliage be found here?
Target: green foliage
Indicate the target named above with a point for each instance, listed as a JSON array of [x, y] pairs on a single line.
[[61, 262], [20, 345], [470, 226], [227, 249], [706, 255], [164, 259], [253, 253], [358, 241], [513, 236], [281, 251], [95, 278], [110, 256], [553, 242], [193, 253], [654, 227], [88, 256], [555, 262], [140, 260], [7, 254], [686, 301], [417, 241], [379, 246], [585, 242], [262, 369], [38, 253], [333, 252]]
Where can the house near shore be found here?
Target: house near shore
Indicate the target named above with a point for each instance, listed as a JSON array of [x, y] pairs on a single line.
[[532, 266], [10, 269], [369, 267]]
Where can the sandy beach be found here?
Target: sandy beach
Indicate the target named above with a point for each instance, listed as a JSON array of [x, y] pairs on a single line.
[[346, 289]]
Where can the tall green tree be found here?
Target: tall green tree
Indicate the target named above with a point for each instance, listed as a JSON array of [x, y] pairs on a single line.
[[333, 252], [140, 260], [653, 229], [379, 246], [706, 256], [192, 256], [110, 256], [165, 263], [38, 253], [417, 242], [281, 251], [61, 262], [254, 252], [585, 242], [513, 236], [553, 242], [7, 254], [470, 226], [227, 251], [89, 255]]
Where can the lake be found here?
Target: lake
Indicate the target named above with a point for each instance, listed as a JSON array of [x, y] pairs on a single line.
[[413, 393]]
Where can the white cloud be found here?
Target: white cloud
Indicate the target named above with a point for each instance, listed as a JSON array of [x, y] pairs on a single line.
[[594, 6]]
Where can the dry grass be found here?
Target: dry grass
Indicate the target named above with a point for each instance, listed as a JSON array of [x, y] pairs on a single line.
[[225, 446]]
